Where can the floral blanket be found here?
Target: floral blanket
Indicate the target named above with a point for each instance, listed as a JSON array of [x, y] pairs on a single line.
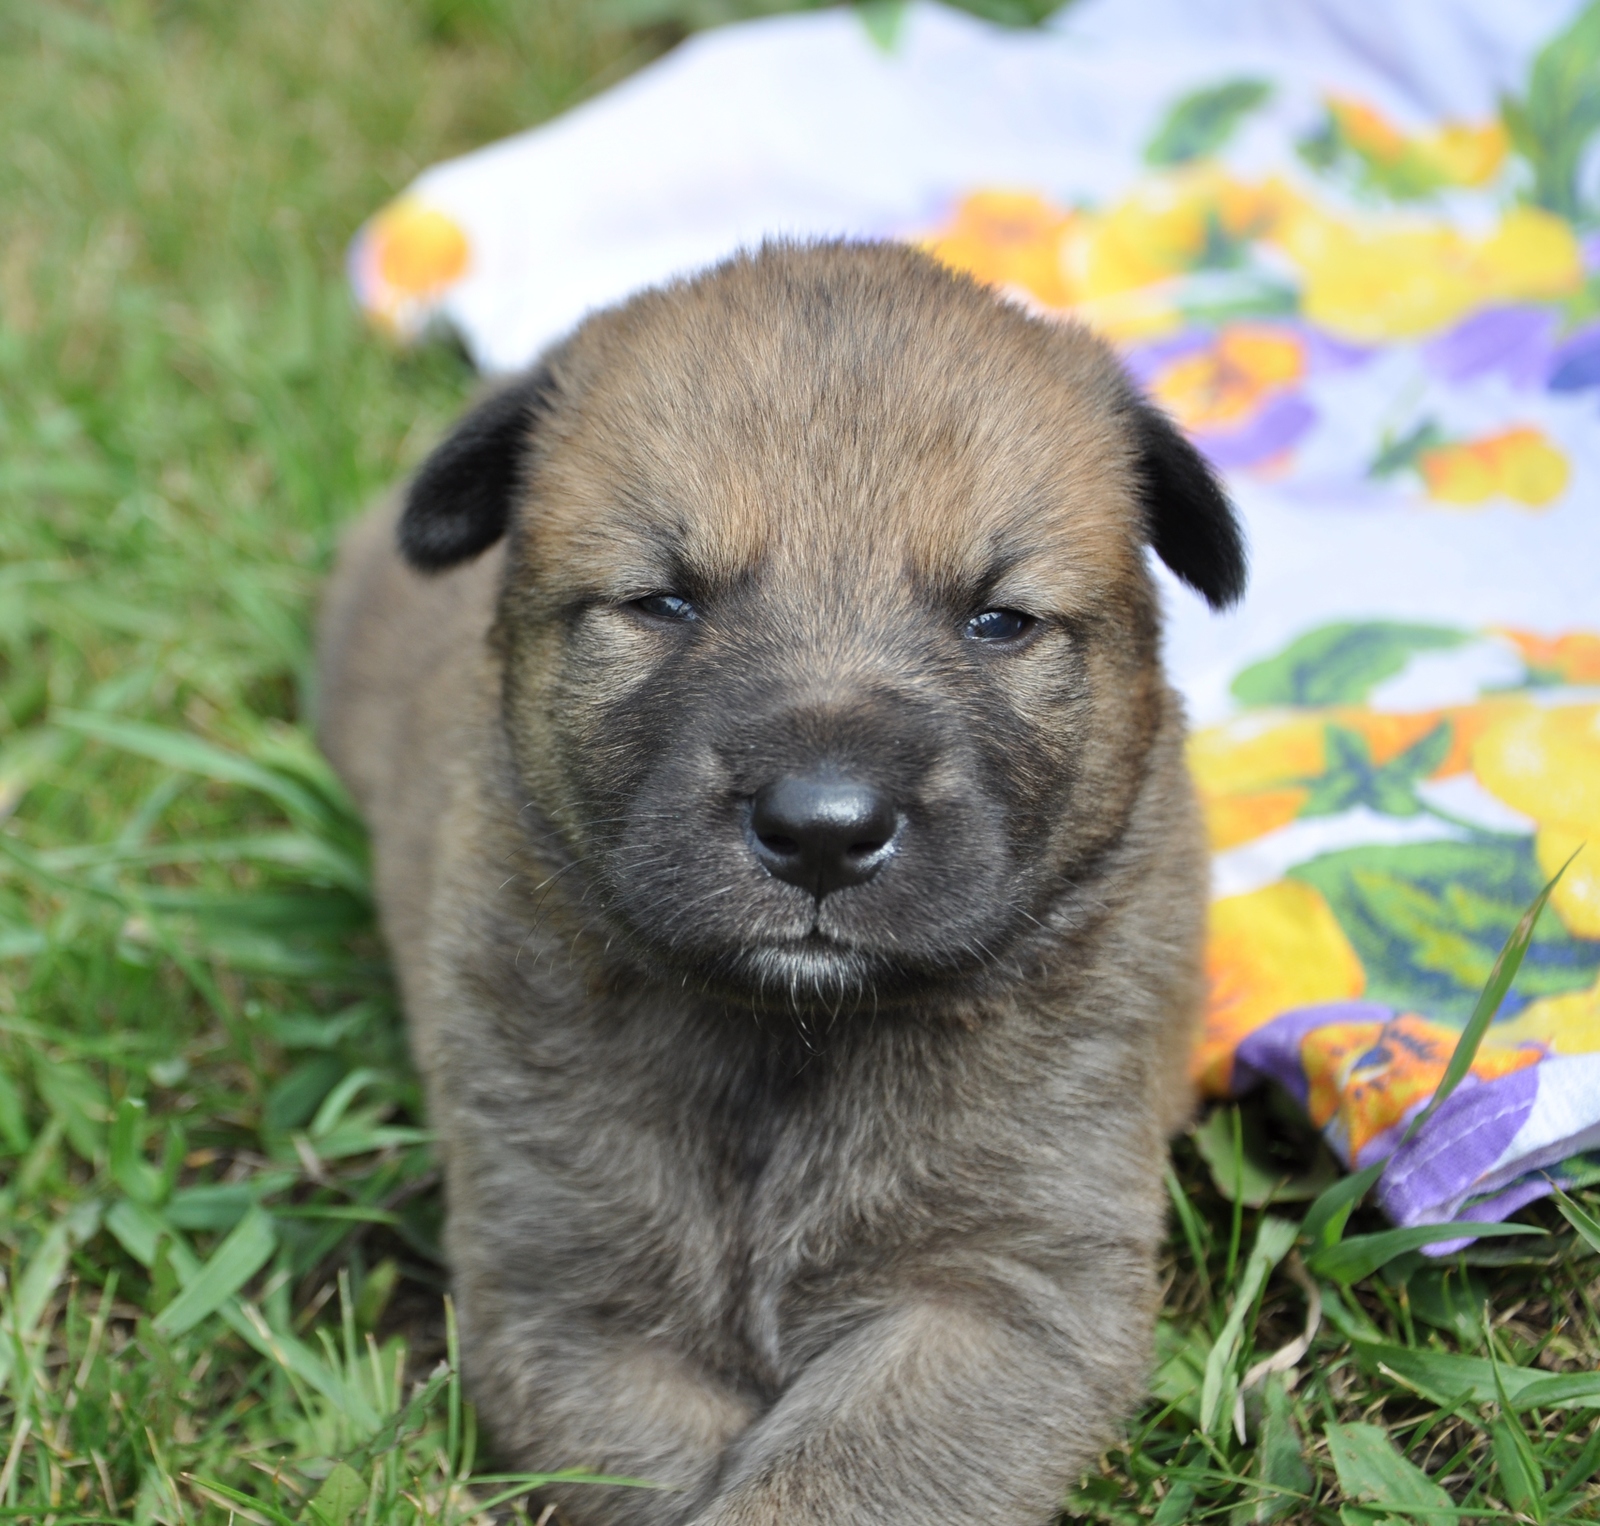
[[1355, 250]]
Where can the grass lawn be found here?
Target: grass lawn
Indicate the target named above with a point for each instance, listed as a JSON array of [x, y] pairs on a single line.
[[218, 1210]]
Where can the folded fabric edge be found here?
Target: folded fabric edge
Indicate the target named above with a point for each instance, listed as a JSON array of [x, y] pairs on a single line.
[[1481, 1157]]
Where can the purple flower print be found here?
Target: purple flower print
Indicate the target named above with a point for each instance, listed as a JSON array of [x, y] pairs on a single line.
[[1575, 366], [1520, 344], [1514, 342]]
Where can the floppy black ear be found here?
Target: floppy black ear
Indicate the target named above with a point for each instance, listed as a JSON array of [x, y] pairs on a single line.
[[460, 501], [1188, 516]]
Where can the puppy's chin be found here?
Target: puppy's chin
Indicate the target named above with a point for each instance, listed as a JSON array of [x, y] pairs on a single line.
[[813, 975]]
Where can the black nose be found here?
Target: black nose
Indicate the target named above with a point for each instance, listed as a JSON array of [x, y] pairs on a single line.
[[822, 834]]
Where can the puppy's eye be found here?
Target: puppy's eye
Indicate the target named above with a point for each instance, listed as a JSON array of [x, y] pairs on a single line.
[[998, 625], [665, 606]]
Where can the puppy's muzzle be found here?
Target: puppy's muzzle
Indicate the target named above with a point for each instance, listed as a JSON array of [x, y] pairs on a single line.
[[822, 833]]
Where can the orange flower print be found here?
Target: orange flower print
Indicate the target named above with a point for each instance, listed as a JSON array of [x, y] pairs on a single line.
[[405, 259], [1520, 464], [1008, 239], [418, 249], [1365, 1076], [1235, 819], [1388, 733], [1113, 266], [1571, 658], [1223, 384]]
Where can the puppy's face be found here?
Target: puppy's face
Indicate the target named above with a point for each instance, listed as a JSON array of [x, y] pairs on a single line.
[[830, 647]]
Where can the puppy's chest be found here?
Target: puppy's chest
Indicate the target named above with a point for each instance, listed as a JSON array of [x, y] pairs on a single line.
[[813, 1200], [798, 1201]]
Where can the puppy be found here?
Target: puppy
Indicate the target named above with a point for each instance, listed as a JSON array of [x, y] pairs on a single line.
[[783, 839]]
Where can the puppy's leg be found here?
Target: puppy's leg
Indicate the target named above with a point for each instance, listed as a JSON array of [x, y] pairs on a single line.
[[942, 1410], [554, 1399]]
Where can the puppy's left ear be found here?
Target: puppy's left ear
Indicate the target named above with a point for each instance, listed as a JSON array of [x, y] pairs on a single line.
[[460, 501], [1188, 517]]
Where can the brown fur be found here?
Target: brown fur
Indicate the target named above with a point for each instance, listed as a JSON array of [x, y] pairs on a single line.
[[814, 1211]]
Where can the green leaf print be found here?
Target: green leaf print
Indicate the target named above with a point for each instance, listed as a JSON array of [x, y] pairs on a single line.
[[1550, 127], [1339, 664], [1352, 779], [1428, 919], [1200, 124], [1396, 456]]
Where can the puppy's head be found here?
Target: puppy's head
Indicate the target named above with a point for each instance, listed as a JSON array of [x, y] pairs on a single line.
[[831, 652]]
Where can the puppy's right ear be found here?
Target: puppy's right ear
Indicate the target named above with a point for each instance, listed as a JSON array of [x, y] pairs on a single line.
[[1190, 522], [459, 503]]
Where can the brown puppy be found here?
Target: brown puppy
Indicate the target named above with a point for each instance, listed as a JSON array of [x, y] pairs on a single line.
[[784, 842]]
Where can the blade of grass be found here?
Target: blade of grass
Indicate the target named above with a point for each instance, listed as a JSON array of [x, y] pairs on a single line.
[[1325, 1220], [1273, 1241], [1236, 1165], [1446, 1377], [521, 1483], [1488, 1004], [190, 754], [1584, 1222], [1194, 1235], [248, 1248], [251, 1506], [1330, 1212], [1520, 1474], [1371, 1469], [129, 1169], [452, 1450], [1351, 1260], [42, 1277], [313, 857], [1584, 1469]]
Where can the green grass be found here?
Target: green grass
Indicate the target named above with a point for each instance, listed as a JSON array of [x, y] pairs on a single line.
[[218, 1210]]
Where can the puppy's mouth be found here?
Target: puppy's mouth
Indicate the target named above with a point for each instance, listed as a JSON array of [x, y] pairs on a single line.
[[819, 972], [812, 970]]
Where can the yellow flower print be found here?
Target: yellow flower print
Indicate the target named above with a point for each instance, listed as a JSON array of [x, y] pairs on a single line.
[[1112, 267], [1268, 951], [1367, 283], [1455, 154], [1257, 751], [1466, 155], [1232, 820], [1367, 130], [1565, 1024], [1251, 772], [1120, 260], [1372, 285], [1226, 382], [1158, 232], [1520, 464], [1546, 764]]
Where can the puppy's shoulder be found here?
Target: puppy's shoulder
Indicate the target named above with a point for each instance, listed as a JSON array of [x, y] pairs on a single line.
[[399, 653], [406, 683]]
